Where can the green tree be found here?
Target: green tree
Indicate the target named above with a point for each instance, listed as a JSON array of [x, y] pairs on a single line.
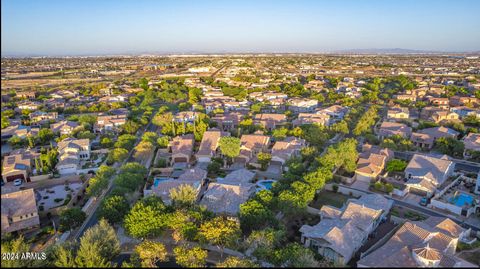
[[17, 246], [130, 181], [117, 155], [183, 196], [130, 127], [163, 141], [220, 231], [98, 246], [125, 141], [236, 262], [396, 165], [71, 218], [190, 257], [450, 145], [114, 208], [106, 142], [146, 218], [255, 215], [229, 146], [45, 135], [151, 137], [340, 127], [264, 159], [99, 182], [280, 134], [148, 253], [295, 255]]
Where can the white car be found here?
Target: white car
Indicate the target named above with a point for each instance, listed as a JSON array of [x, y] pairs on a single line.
[[17, 182]]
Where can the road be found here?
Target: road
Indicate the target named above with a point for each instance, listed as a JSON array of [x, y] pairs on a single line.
[[92, 219]]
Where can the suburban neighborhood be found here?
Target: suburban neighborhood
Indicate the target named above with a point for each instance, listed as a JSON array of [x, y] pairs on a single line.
[[240, 134]]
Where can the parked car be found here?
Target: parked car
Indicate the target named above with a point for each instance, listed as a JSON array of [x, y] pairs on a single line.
[[17, 182], [424, 201]]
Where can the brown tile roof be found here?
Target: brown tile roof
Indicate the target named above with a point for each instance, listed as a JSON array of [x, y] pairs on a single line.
[[209, 143]]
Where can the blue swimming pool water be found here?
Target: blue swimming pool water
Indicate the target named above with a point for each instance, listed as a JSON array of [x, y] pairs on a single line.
[[267, 184], [157, 180], [462, 199]]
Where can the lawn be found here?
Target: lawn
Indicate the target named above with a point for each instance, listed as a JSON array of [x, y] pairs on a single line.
[[329, 198]]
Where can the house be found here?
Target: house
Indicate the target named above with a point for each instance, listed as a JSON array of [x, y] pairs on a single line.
[[250, 146], [444, 115], [425, 174], [40, 116], [185, 116], [228, 121], [464, 111], [19, 211], [64, 127], [266, 96], [302, 104], [426, 138], [312, 118], [239, 177], [182, 149], [388, 129], [27, 94], [55, 103], [18, 130], [18, 165], [398, 113], [71, 152], [428, 243], [443, 103], [472, 144], [409, 97], [463, 101], [336, 112], [194, 177], [224, 198], [371, 162], [209, 145], [270, 121], [107, 123], [341, 232], [30, 105], [282, 151]]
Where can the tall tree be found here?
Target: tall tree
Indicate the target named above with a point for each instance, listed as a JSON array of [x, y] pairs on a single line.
[[183, 196], [190, 257], [220, 231], [230, 146]]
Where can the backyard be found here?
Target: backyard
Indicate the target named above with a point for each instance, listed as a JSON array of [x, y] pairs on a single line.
[[329, 198], [55, 196], [402, 212]]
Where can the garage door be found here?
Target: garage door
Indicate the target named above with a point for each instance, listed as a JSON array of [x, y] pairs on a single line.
[[12, 178], [418, 191], [180, 160]]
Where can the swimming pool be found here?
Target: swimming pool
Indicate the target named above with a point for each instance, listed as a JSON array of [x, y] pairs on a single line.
[[461, 199], [157, 180], [266, 184]]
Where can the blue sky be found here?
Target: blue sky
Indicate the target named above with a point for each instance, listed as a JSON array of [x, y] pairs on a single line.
[[73, 27]]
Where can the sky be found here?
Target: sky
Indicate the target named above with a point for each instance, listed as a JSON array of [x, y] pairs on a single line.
[[88, 27]]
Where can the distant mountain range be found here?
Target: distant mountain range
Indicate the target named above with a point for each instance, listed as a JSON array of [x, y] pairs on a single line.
[[398, 51], [225, 52]]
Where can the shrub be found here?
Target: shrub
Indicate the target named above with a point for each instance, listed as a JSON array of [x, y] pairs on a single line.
[[335, 188]]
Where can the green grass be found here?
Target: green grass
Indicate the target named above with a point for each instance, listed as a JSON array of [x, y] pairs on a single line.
[[329, 198], [463, 246]]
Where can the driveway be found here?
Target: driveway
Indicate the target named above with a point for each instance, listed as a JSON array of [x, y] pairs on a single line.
[[360, 185]]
